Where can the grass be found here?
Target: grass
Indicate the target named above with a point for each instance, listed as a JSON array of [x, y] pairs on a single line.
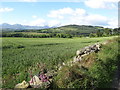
[[19, 54], [96, 70]]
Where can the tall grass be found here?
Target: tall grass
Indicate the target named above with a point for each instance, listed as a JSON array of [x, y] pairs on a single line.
[[94, 71], [107, 62]]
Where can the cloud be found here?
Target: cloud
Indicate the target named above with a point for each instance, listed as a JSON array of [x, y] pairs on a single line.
[[113, 23], [79, 16], [38, 22], [109, 4], [6, 10], [34, 16], [96, 19], [66, 16], [54, 23], [61, 13]]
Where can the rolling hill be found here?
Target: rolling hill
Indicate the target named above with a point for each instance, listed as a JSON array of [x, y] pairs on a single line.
[[73, 29]]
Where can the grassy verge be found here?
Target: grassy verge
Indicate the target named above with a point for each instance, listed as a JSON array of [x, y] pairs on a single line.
[[95, 71]]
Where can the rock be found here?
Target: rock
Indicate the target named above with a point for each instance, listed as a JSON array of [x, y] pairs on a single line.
[[80, 52], [91, 51], [87, 47], [42, 81], [77, 52], [93, 46], [50, 80], [24, 84], [85, 52], [83, 55], [63, 63], [98, 46], [60, 68], [74, 59], [35, 82], [77, 59], [88, 50]]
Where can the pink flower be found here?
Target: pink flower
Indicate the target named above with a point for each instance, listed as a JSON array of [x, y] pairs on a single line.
[[43, 78]]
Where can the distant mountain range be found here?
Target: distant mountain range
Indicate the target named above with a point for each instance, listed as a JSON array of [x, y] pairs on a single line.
[[6, 26]]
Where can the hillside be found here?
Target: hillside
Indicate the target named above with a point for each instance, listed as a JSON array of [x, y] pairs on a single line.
[[67, 31], [73, 29]]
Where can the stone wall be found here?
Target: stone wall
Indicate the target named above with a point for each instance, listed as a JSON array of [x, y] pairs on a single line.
[[85, 51], [81, 53]]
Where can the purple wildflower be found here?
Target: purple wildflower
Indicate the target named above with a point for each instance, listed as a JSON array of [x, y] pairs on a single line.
[[43, 78]]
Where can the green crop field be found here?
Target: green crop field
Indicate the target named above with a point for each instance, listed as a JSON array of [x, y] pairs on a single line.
[[19, 54]]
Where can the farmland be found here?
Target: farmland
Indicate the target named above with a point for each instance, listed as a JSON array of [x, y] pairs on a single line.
[[19, 54]]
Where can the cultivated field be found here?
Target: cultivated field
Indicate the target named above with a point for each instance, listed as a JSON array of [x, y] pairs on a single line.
[[19, 54]]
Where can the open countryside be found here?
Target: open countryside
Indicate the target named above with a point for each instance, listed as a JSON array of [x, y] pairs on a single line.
[[54, 45]]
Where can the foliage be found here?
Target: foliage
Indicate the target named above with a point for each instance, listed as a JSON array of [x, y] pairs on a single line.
[[35, 35]]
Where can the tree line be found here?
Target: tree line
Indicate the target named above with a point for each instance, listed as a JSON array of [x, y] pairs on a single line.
[[50, 35], [105, 32]]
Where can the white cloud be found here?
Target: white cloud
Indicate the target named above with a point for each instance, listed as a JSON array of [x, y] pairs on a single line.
[[96, 19], [38, 22], [101, 3], [61, 13], [79, 16], [6, 9], [53, 23], [113, 23], [68, 15], [79, 11], [34, 16]]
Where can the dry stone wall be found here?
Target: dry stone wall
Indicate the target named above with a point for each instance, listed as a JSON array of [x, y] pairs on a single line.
[[81, 53], [85, 51]]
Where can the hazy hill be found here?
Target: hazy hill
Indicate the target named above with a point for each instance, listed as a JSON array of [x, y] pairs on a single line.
[[9, 27]]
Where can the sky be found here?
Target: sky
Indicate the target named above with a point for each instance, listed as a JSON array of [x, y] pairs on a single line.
[[58, 12]]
